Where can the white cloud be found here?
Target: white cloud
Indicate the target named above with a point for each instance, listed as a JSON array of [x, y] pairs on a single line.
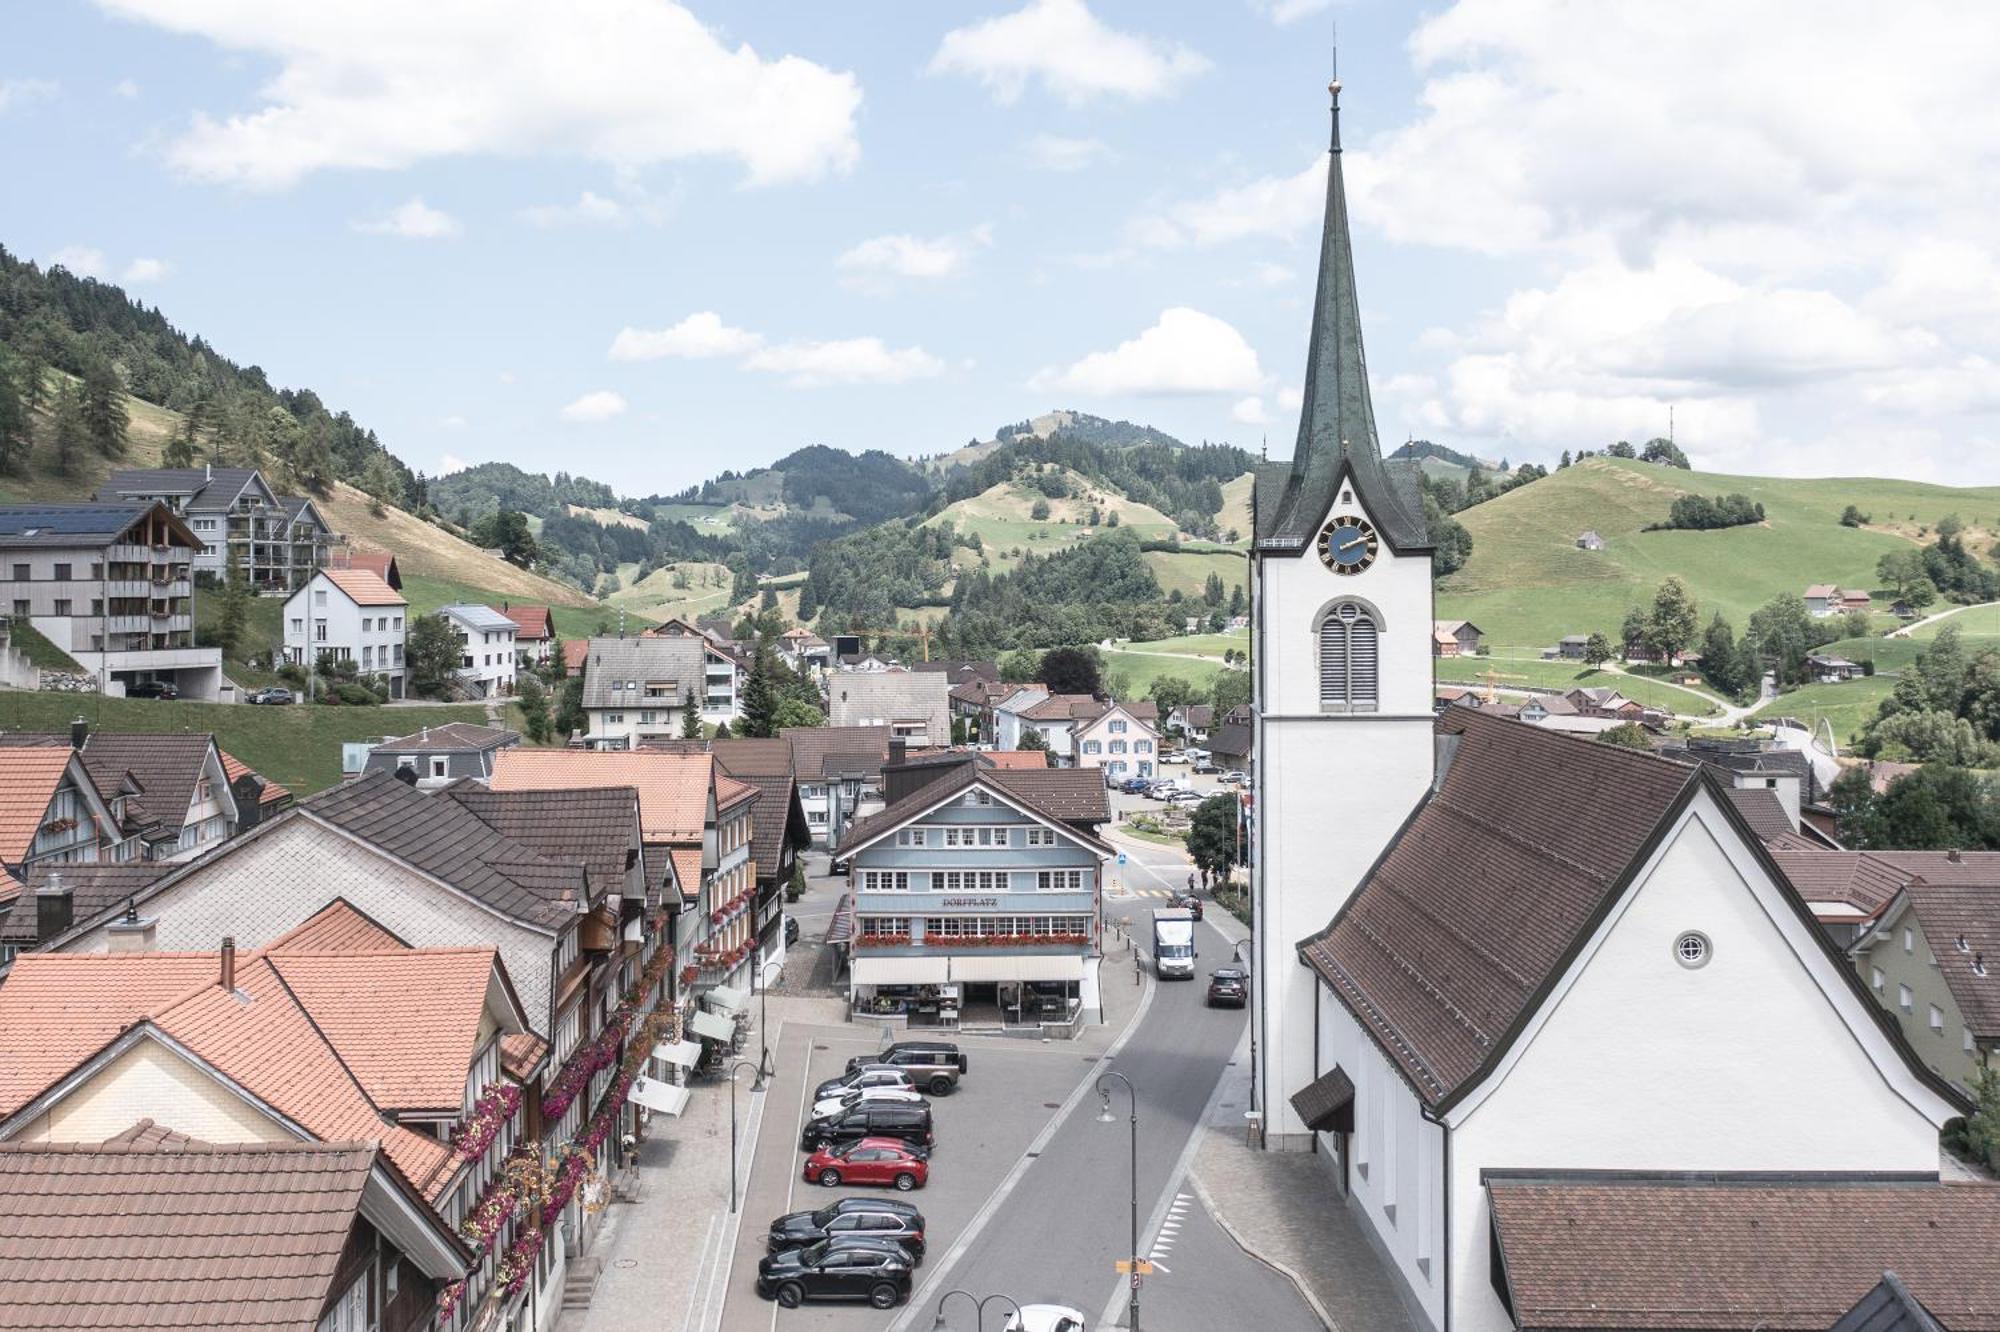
[[845, 361], [1269, 207], [1185, 351], [384, 85], [1055, 152], [881, 258], [82, 260], [125, 88], [413, 220], [1291, 398], [21, 92], [450, 463], [1290, 11], [1064, 45], [143, 270], [453, 422], [1250, 411], [590, 209], [1264, 273], [600, 405], [696, 337]]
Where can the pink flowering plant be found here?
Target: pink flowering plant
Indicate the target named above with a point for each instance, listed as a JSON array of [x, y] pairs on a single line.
[[495, 1106], [500, 1205], [519, 1263]]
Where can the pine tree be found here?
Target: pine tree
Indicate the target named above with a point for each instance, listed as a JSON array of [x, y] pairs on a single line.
[[14, 437], [186, 445], [234, 615], [70, 436], [760, 696], [103, 407], [690, 718]]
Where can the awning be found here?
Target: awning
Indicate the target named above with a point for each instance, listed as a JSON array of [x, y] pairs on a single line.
[[1326, 1104], [681, 1054], [725, 997], [1022, 967], [901, 971], [661, 1096], [712, 1026]]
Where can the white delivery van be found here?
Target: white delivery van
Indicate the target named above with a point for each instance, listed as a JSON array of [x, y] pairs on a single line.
[[1173, 943]]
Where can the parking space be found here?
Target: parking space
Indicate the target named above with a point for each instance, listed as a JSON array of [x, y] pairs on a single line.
[[983, 1130]]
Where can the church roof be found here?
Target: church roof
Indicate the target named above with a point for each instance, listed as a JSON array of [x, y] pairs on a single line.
[[1337, 426]]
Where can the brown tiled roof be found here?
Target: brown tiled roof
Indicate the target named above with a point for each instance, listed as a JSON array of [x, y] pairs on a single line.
[[748, 756], [337, 927], [452, 737], [1864, 880], [596, 825], [962, 779], [1481, 897], [533, 621], [687, 869], [830, 751], [364, 588], [1231, 738], [1064, 707], [166, 765], [93, 889], [959, 669], [1145, 710], [174, 1234], [1735, 1254], [233, 768], [444, 839], [575, 652], [776, 815], [730, 792], [521, 1053], [1762, 810], [28, 781], [673, 788], [1074, 795], [1965, 909]]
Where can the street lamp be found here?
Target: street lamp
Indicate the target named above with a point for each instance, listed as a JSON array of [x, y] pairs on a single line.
[[764, 1069], [1104, 1116], [1235, 955], [755, 1087], [979, 1309]]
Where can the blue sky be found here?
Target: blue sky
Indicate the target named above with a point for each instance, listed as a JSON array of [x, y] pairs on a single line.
[[647, 241]]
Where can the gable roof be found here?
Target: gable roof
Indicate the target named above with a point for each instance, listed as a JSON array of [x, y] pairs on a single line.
[[363, 587], [29, 776], [234, 769], [1737, 1252], [26, 525], [776, 818], [749, 756], [1064, 707], [452, 737], [673, 788], [1960, 916], [168, 765], [209, 489], [531, 622], [1863, 881], [94, 889], [889, 697], [836, 751], [378, 562], [337, 927], [960, 669], [596, 825], [953, 784], [1074, 795], [155, 1231], [673, 660], [1015, 760], [1762, 810], [483, 618], [1888, 1307]]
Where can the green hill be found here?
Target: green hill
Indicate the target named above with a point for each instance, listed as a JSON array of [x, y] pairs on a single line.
[[1527, 584]]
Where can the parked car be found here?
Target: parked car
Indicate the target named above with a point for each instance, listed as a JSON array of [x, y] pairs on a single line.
[[1235, 776], [870, 1161], [877, 1271], [272, 694], [1046, 1318], [1189, 798], [869, 1218], [856, 1095], [1135, 785], [152, 689], [1174, 756], [791, 930], [1206, 766], [1228, 987], [870, 1119], [1188, 900], [935, 1066], [870, 1074]]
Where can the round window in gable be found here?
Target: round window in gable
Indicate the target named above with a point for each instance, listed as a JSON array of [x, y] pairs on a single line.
[[1692, 949]]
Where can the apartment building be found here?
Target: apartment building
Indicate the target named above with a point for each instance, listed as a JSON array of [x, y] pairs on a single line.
[[638, 689], [486, 638], [349, 615], [111, 585], [275, 541]]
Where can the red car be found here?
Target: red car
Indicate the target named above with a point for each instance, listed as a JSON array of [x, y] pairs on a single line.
[[870, 1161]]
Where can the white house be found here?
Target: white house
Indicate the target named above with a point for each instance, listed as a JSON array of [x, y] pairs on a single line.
[[637, 689], [350, 615], [1010, 715], [1120, 742], [486, 648]]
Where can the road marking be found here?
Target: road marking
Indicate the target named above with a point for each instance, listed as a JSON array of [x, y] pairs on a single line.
[[923, 1296], [798, 1128], [700, 1268]]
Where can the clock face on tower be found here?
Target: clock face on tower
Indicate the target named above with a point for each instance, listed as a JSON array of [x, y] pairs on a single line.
[[1347, 545]]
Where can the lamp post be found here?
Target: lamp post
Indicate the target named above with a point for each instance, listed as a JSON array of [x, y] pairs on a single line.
[[756, 1086], [979, 1309], [1104, 1116], [764, 1069], [1235, 955]]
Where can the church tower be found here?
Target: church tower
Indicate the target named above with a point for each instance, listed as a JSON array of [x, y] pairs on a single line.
[[1341, 609]]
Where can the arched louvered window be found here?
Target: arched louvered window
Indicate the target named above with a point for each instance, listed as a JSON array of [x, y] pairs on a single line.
[[1349, 672]]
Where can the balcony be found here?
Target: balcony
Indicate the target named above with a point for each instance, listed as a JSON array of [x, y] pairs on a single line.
[[127, 552], [128, 624], [128, 587]]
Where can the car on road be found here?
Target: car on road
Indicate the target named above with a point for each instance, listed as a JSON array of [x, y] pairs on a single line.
[[1235, 777], [1135, 785], [870, 1119], [1228, 987], [870, 1161], [1046, 1318], [1206, 767], [856, 1095], [869, 1218], [935, 1066], [274, 694], [877, 1271], [1187, 900], [869, 1074], [152, 689], [791, 930]]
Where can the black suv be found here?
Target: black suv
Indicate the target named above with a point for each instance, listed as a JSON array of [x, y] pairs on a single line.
[[874, 1270], [935, 1066], [867, 1218], [152, 689], [871, 1119]]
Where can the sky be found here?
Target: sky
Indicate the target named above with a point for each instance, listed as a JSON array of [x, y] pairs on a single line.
[[646, 241]]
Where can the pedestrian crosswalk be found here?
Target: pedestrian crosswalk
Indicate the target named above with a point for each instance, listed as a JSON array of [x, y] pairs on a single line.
[[1142, 892]]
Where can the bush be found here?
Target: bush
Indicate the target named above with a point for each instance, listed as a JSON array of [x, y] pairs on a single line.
[[1040, 512]]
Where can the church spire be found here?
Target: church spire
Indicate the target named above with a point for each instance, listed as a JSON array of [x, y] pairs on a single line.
[[1337, 422]]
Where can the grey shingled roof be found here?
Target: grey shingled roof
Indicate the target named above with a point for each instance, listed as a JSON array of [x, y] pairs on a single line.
[[596, 825], [1074, 795], [1888, 1307], [166, 764], [66, 524], [892, 696], [209, 489], [672, 660], [94, 890], [837, 751], [1337, 428]]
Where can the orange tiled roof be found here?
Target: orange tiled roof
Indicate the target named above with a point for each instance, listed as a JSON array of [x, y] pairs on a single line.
[[521, 1053], [234, 768], [533, 620], [673, 788], [364, 588], [1016, 758], [729, 791], [687, 868], [28, 781], [337, 927], [576, 651]]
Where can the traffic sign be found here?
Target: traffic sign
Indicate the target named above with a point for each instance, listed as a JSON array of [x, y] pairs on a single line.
[[1145, 1268], [1121, 857], [1135, 1281]]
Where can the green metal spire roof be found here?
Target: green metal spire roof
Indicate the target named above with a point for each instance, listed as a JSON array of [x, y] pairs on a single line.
[[1337, 425]]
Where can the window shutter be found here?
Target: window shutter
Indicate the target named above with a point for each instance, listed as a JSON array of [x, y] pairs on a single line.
[[1361, 663], [1333, 660]]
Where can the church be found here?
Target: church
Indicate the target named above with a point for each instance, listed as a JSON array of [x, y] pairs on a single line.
[[1562, 1035]]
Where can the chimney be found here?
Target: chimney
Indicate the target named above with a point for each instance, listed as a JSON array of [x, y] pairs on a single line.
[[1955, 856], [55, 909], [208, 471], [79, 731], [131, 933], [229, 963], [898, 748]]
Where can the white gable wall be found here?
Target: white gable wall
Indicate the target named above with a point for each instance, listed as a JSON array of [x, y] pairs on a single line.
[[150, 1080], [1762, 1059]]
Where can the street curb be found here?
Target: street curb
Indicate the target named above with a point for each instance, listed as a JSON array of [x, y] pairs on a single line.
[[726, 1268], [1305, 1291]]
